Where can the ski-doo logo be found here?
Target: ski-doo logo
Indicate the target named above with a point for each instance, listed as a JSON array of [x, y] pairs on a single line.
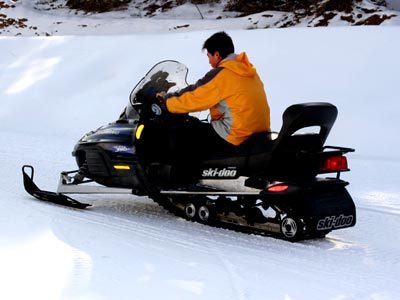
[[219, 173], [334, 222], [123, 149]]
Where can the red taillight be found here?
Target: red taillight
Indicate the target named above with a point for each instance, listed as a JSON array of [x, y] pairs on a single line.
[[335, 164], [278, 188]]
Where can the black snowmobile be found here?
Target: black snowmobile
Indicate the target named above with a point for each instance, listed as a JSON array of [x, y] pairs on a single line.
[[271, 184]]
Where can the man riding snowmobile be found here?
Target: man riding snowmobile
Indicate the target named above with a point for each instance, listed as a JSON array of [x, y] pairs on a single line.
[[232, 91], [256, 183]]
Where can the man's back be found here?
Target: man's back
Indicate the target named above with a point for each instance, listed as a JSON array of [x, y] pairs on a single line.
[[243, 104]]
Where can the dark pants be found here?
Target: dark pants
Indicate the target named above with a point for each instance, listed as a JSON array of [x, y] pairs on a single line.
[[206, 142], [183, 142]]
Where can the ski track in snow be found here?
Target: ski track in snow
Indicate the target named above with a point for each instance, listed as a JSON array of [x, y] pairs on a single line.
[[142, 221], [138, 222]]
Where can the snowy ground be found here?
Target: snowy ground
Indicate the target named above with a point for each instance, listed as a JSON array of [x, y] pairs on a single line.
[[55, 89]]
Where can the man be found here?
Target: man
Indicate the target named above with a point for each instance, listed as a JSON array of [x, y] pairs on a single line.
[[232, 91]]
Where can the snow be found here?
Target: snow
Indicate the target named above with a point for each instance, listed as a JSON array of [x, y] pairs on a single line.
[[55, 89], [393, 4]]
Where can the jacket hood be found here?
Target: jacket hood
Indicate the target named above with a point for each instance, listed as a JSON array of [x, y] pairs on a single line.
[[239, 64]]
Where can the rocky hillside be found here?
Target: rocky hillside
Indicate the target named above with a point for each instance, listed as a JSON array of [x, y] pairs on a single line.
[[317, 12], [355, 12], [52, 17]]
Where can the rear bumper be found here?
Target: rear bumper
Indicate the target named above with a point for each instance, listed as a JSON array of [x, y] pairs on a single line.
[[329, 208], [322, 205]]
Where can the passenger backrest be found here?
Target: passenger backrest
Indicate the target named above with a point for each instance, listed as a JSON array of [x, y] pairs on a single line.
[[293, 156], [299, 116]]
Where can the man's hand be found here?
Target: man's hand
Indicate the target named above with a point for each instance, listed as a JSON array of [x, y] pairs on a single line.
[[161, 94]]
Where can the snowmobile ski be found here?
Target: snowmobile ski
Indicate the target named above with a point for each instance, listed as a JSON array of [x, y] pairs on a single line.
[[52, 197]]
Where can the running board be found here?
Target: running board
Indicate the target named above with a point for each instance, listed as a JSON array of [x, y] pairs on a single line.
[[210, 193], [67, 185]]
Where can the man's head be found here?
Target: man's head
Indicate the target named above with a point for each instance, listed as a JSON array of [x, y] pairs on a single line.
[[218, 47]]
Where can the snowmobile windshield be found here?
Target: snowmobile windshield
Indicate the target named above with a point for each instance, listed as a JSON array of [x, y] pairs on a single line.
[[167, 76]]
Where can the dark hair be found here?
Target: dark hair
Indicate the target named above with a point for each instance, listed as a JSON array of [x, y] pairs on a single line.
[[220, 42]]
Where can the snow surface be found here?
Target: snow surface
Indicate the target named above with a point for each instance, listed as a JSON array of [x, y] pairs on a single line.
[[55, 89], [393, 4]]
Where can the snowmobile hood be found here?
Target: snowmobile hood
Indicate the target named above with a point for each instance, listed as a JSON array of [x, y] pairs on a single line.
[[111, 133], [239, 64]]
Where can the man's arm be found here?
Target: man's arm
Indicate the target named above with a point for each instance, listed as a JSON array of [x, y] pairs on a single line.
[[196, 97]]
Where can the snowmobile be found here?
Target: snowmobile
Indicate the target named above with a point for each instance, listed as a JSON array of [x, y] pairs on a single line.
[[274, 183]]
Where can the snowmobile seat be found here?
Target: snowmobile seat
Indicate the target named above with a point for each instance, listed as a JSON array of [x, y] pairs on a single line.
[[257, 144], [291, 151]]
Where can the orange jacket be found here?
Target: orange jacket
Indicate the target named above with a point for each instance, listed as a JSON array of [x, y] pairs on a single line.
[[235, 95]]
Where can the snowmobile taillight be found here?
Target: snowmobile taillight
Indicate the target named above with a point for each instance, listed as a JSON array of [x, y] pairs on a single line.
[[335, 163], [278, 188], [122, 167]]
